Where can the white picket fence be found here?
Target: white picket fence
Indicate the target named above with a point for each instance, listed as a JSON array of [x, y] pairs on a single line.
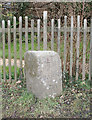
[[45, 29]]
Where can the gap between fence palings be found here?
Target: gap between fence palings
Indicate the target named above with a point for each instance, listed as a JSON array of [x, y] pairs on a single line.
[[9, 49], [15, 63], [71, 47], [3, 38], [84, 49], [90, 59], [77, 47], [20, 43]]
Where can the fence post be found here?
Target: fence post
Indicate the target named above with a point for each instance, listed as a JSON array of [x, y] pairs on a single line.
[[59, 36], [38, 34], [77, 46], [71, 47], [3, 38], [15, 66], [26, 33], [32, 34], [52, 34], [9, 49], [84, 49], [65, 38], [90, 59], [20, 42], [45, 30]]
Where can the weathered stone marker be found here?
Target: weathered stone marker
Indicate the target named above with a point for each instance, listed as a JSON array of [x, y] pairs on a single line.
[[43, 73]]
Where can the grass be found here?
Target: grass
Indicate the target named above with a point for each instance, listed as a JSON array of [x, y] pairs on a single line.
[[74, 101]]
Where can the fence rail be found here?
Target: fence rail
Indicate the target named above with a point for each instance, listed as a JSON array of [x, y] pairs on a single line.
[[53, 30], [62, 29]]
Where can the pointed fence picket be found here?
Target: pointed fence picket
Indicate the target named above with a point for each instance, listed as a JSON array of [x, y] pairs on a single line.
[[45, 30], [77, 46], [20, 44], [52, 34], [15, 54], [3, 39], [90, 59], [38, 34], [58, 37], [84, 49], [26, 33], [32, 34], [9, 49], [71, 47], [65, 41]]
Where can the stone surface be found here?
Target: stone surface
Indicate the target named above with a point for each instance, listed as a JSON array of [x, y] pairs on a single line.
[[43, 73]]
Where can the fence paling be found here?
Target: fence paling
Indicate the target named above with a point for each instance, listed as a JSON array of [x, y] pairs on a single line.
[[3, 38], [71, 47], [58, 37], [77, 46], [32, 34], [90, 59], [15, 66], [26, 33], [38, 34], [52, 34], [20, 43], [45, 30], [65, 38], [9, 49], [84, 50]]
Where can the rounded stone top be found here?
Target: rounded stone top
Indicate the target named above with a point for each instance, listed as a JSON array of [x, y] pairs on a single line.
[[42, 53]]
